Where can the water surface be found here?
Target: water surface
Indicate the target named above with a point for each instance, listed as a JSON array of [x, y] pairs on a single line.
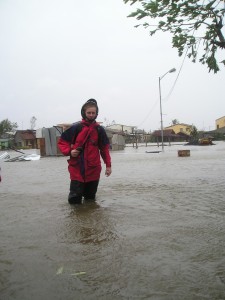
[[157, 230]]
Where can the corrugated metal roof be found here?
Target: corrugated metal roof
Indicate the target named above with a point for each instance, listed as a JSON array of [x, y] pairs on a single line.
[[166, 133], [27, 136]]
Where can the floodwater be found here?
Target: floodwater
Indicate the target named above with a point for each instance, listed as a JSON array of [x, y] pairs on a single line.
[[157, 230]]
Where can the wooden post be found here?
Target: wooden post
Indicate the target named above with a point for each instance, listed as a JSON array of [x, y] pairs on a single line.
[[42, 147]]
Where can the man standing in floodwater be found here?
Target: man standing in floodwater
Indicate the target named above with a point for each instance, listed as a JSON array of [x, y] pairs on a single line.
[[85, 142]]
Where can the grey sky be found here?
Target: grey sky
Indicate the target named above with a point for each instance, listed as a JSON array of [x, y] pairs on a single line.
[[55, 55]]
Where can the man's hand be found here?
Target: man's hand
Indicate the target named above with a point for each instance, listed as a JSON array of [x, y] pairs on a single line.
[[75, 153], [108, 171]]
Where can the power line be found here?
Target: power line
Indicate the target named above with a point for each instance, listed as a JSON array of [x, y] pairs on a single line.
[[175, 82], [153, 107], [178, 74], [171, 90]]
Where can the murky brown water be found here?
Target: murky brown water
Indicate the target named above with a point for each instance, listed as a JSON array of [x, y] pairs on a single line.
[[157, 230]]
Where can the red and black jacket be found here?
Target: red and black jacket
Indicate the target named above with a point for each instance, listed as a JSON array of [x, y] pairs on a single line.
[[92, 139]]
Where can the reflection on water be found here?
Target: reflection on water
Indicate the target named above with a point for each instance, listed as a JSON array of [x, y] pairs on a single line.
[[88, 223], [156, 231]]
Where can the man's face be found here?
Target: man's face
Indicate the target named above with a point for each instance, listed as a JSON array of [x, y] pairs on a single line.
[[90, 113]]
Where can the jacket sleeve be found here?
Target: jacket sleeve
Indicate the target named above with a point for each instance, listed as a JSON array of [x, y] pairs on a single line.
[[66, 140], [64, 146], [104, 146]]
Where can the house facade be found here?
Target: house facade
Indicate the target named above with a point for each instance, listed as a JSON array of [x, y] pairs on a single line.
[[220, 123], [25, 139], [180, 128]]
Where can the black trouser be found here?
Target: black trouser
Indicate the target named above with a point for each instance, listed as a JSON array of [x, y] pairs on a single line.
[[82, 189]]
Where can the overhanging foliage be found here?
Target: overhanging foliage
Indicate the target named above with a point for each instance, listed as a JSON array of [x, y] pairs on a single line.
[[192, 23], [7, 126]]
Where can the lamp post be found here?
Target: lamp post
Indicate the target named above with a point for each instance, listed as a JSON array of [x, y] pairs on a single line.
[[160, 101]]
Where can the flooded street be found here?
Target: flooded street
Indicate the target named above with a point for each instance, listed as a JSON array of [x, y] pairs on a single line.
[[157, 230]]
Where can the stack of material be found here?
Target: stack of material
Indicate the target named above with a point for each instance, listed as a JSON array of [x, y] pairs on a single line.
[[5, 155], [26, 157]]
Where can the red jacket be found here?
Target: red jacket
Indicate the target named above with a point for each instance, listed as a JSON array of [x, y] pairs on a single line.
[[94, 142]]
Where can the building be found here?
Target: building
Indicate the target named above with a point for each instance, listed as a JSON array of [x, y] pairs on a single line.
[[4, 144], [180, 128], [122, 128], [220, 123], [25, 139], [168, 135], [217, 134]]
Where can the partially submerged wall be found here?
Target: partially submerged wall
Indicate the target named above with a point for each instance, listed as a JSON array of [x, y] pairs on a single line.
[[47, 139], [118, 142]]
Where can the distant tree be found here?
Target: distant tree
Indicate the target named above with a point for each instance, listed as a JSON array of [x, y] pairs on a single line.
[[33, 123], [218, 136], [191, 22], [194, 134], [175, 121], [7, 126]]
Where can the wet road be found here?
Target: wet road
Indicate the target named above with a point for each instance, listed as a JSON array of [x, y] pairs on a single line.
[[157, 230]]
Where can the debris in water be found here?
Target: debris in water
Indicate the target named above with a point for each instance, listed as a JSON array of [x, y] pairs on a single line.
[[59, 271], [78, 274]]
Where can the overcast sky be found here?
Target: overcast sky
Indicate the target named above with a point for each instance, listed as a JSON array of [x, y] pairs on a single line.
[[56, 54]]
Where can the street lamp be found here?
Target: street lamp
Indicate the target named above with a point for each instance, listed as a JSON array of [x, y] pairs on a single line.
[[160, 100]]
